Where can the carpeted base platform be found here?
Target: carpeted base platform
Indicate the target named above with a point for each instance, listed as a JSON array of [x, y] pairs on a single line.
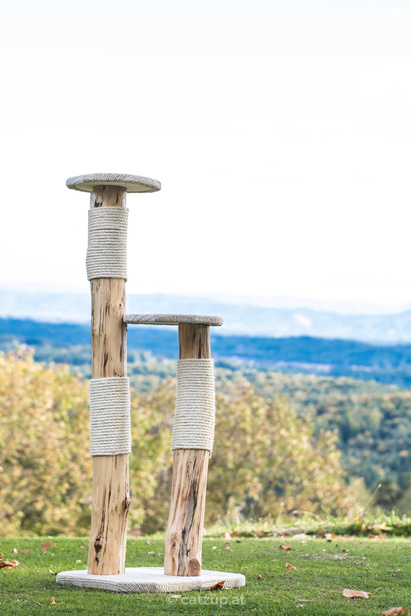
[[149, 579]]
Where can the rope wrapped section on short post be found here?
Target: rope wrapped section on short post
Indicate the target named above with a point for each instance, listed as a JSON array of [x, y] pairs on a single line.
[[107, 243], [194, 417], [110, 425]]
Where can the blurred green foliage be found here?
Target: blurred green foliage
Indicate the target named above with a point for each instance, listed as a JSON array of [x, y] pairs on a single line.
[[373, 423], [44, 471], [266, 459]]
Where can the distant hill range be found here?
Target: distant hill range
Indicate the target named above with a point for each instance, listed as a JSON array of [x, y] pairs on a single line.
[[239, 319], [390, 364]]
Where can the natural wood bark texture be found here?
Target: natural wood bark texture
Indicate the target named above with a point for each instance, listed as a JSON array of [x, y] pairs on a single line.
[[182, 554], [110, 496], [194, 341]]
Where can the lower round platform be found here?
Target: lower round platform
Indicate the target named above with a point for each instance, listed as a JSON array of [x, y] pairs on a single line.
[[150, 579]]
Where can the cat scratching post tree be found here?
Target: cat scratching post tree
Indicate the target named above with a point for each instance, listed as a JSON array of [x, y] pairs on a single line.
[[110, 434]]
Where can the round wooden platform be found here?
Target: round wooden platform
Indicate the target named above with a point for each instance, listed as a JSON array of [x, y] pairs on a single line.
[[133, 183], [172, 319]]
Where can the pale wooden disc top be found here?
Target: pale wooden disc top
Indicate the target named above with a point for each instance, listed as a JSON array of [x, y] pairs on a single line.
[[171, 319], [133, 183]]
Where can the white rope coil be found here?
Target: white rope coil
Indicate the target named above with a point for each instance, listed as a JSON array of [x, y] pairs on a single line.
[[195, 405], [110, 425], [107, 243]]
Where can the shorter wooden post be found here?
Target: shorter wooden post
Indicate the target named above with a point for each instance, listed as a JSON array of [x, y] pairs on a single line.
[[182, 554]]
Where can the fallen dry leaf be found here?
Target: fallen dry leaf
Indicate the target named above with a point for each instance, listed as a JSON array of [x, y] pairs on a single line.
[[24, 551], [1, 555], [82, 547], [260, 577], [47, 545], [344, 550], [352, 594], [150, 542], [285, 547], [53, 601], [290, 566], [394, 611], [226, 535], [14, 563], [151, 553], [228, 547], [217, 586], [5, 563], [52, 572]]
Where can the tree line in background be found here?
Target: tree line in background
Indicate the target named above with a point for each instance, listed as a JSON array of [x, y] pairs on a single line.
[[373, 422], [266, 461], [365, 425]]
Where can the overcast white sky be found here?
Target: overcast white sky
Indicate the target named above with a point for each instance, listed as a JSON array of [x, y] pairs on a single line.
[[281, 133]]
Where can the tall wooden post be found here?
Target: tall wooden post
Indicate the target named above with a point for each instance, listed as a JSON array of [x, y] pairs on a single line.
[[182, 554], [110, 496]]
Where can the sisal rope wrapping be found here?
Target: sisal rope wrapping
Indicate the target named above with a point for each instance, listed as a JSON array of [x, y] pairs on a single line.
[[107, 243], [110, 425], [195, 405]]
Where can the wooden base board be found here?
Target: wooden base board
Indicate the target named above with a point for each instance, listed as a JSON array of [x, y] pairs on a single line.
[[149, 579]]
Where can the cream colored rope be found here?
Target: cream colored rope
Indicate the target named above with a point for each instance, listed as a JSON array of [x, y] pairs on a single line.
[[107, 243], [110, 426], [195, 405]]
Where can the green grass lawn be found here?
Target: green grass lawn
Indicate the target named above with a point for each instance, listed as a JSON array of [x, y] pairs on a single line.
[[315, 587]]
